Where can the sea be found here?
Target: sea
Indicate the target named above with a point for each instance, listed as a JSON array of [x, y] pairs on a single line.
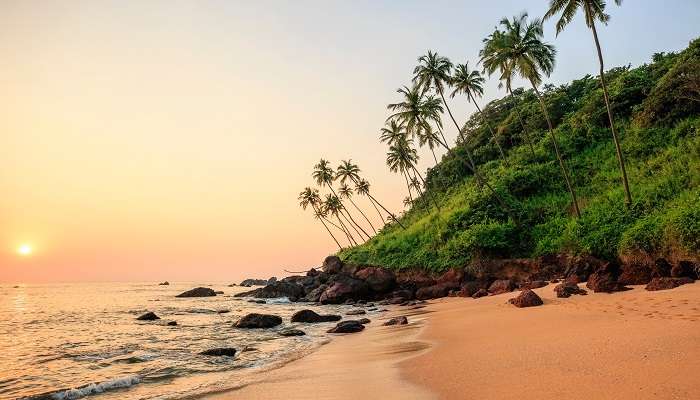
[[73, 341]]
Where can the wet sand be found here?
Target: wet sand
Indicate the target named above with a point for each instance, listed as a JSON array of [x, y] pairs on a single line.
[[630, 345]]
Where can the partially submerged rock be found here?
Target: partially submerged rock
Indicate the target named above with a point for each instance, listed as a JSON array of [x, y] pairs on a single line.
[[292, 332], [350, 326], [149, 316], [356, 312], [667, 283], [275, 290], [219, 352], [166, 283], [310, 316], [172, 323], [255, 320], [396, 321], [198, 292], [526, 298]]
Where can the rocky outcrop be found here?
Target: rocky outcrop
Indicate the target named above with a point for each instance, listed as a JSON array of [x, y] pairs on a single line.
[[433, 292], [665, 283], [198, 292], [219, 352], [396, 321], [533, 284], [343, 287], [501, 286], [292, 332], [567, 289], [604, 279], [149, 316], [379, 280], [636, 272], [332, 265], [480, 293], [685, 269], [350, 326], [526, 298], [314, 295], [255, 320], [277, 289], [468, 289], [258, 282], [310, 316]]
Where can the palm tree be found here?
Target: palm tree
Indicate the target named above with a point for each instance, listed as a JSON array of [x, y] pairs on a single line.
[[430, 137], [392, 132], [417, 111], [433, 72], [593, 10], [333, 206], [346, 192], [362, 188], [402, 157], [415, 184], [324, 175], [471, 83], [519, 49], [311, 197]]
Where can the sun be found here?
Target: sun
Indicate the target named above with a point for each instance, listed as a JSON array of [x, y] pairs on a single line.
[[24, 249]]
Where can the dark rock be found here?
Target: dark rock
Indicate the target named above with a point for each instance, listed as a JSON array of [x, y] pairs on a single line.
[[583, 267], [572, 279], [501, 286], [406, 294], [566, 289], [312, 272], [356, 312], [662, 268], [257, 301], [256, 320], [312, 317], [349, 302], [414, 279], [526, 298], [380, 280], [604, 279], [223, 311], [468, 289], [396, 321], [219, 292], [667, 283], [223, 351], [172, 323], [364, 321], [533, 285], [343, 287], [554, 281], [636, 272], [149, 316], [292, 332], [332, 265], [684, 269], [433, 292], [258, 282], [480, 293], [362, 301], [198, 292], [315, 294], [274, 290], [452, 278], [349, 269], [349, 326], [166, 283]]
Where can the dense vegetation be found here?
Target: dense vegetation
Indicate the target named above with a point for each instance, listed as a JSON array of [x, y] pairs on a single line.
[[500, 191]]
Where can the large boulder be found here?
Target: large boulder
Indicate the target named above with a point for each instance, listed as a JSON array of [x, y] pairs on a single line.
[[198, 292], [566, 289], [433, 292], [452, 278], [311, 316], [526, 298], [149, 316], [583, 266], [342, 287], [277, 289], [256, 282], [219, 352], [256, 320], [468, 289], [480, 293], [635, 272], [314, 295], [332, 265], [667, 283], [404, 294], [604, 279], [349, 326], [414, 279], [292, 332], [501, 286], [685, 269], [380, 280]]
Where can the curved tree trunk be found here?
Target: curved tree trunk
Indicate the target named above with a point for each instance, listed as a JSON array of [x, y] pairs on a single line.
[[330, 233], [387, 211], [346, 210], [459, 130], [347, 231], [434, 156], [493, 134], [408, 186], [363, 214], [522, 124], [556, 150], [618, 149], [381, 217]]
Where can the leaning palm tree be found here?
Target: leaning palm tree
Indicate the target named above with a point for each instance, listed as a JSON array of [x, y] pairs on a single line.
[[433, 72], [519, 48], [403, 157], [324, 176], [417, 111], [362, 188], [346, 192], [593, 10], [392, 132], [333, 206], [430, 138], [471, 83], [311, 197]]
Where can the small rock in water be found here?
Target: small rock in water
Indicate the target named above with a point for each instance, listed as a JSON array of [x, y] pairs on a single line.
[[312, 317], [149, 316], [527, 298], [166, 283], [255, 320], [219, 292], [172, 323], [198, 292], [257, 301], [349, 326], [396, 321], [364, 321], [292, 332], [223, 351], [356, 312], [224, 311]]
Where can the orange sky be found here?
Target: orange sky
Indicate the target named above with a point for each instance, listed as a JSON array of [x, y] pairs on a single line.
[[168, 140]]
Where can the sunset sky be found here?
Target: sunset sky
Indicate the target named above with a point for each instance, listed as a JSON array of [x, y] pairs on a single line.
[[169, 139]]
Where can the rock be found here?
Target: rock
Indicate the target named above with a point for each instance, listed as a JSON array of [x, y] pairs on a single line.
[[292, 332], [583, 267], [198, 292], [349, 326], [533, 284], [364, 321], [342, 287], [468, 289], [662, 268], [219, 292], [232, 285], [566, 289], [414, 279], [332, 265], [452, 278], [172, 323], [310, 316], [480, 293], [380, 280], [636, 272], [315, 294], [219, 352], [685, 269], [257, 301], [349, 302], [667, 283], [312, 272], [166, 283], [223, 311], [554, 281], [256, 320], [349, 269], [356, 312], [604, 279], [526, 298], [396, 321], [433, 292], [254, 282], [501, 286], [149, 316], [405, 294], [274, 290]]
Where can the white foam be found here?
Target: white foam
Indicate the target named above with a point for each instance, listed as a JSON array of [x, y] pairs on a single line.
[[278, 300], [96, 388]]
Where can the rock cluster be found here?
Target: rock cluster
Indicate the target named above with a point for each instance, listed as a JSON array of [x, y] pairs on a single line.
[[198, 292]]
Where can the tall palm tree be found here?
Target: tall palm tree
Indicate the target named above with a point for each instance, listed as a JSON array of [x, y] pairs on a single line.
[[333, 206], [519, 48], [593, 10], [417, 111], [471, 83], [362, 188], [311, 197], [402, 157], [433, 72], [324, 175], [346, 192], [392, 132], [430, 137]]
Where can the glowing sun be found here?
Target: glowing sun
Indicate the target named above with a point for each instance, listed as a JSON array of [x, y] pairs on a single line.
[[24, 250]]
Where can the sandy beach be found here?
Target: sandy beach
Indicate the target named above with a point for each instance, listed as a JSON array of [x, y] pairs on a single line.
[[634, 344]]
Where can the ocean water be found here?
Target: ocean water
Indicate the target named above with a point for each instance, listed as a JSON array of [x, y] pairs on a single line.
[[70, 341]]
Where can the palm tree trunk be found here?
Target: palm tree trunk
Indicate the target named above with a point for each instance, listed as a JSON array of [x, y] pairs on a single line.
[[329, 231], [363, 214], [387, 211], [346, 210], [407, 186], [345, 215], [381, 217], [618, 149], [459, 130], [493, 134], [522, 124], [427, 190], [556, 150], [434, 156], [347, 231]]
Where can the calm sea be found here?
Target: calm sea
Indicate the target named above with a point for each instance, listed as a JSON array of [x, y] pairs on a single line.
[[70, 341]]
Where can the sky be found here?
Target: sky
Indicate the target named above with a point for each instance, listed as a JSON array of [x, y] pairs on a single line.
[[168, 140]]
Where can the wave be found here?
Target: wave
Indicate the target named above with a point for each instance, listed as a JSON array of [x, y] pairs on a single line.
[[87, 390], [279, 300]]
